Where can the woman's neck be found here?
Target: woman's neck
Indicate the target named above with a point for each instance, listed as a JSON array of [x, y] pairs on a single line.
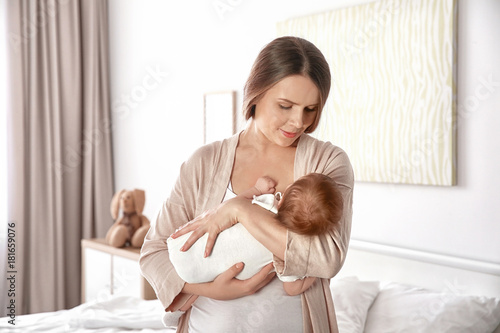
[[253, 138]]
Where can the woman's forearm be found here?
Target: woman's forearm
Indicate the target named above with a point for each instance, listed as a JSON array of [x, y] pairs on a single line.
[[263, 226], [198, 289], [226, 287]]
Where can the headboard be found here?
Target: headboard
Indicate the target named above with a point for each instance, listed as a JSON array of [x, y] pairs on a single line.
[[372, 261]]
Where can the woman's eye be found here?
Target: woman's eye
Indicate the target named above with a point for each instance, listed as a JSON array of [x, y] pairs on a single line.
[[284, 107], [310, 109]]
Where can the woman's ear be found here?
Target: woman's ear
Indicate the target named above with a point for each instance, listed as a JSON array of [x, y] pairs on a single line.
[[140, 200], [115, 204]]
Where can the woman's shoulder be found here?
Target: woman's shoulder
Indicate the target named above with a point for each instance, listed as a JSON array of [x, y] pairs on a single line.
[[213, 151], [205, 151], [314, 146], [314, 155]]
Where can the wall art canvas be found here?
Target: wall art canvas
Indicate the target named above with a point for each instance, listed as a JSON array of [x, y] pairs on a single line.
[[392, 103]]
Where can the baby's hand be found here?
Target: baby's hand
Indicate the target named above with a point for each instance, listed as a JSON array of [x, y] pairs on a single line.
[[265, 185]]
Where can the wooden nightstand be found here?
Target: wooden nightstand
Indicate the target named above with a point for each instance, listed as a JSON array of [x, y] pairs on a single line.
[[107, 270]]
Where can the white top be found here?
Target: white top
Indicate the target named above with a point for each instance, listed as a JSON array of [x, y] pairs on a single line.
[[268, 310]]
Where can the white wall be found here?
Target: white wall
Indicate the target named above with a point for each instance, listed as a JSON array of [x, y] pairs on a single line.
[[197, 48]]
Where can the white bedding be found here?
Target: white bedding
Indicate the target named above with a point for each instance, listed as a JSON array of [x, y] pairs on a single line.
[[361, 306], [385, 307], [118, 314]]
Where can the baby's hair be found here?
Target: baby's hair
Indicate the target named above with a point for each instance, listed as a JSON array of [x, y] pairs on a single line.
[[311, 205]]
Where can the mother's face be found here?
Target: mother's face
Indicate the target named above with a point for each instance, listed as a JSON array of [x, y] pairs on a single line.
[[287, 109]]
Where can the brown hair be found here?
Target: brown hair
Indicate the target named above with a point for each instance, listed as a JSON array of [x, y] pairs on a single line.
[[283, 57], [311, 205]]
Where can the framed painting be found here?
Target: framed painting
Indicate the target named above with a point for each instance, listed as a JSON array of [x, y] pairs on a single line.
[[393, 98]]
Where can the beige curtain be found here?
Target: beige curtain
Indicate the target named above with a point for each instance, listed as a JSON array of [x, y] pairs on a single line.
[[59, 144]]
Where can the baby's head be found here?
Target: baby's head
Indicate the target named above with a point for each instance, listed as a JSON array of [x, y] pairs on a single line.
[[311, 205]]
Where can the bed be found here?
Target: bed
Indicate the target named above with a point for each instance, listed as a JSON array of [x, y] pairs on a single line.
[[403, 290], [379, 289]]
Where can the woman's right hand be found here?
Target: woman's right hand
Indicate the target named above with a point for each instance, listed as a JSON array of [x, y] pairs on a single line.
[[213, 222], [227, 287]]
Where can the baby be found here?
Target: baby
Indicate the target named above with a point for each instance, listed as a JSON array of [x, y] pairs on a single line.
[[309, 206]]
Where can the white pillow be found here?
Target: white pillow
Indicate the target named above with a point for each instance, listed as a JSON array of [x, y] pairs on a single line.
[[352, 298], [402, 308]]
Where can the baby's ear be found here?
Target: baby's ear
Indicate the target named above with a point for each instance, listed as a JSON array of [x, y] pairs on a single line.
[[279, 197]]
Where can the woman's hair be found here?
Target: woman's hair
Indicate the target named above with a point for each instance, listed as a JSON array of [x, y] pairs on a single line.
[[283, 57], [311, 205]]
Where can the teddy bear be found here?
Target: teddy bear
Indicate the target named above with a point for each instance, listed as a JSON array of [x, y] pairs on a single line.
[[132, 226]]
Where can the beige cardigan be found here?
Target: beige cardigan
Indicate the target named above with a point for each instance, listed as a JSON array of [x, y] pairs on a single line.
[[201, 185]]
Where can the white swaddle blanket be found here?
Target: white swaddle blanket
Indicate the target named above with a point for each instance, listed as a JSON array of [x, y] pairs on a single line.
[[232, 246]]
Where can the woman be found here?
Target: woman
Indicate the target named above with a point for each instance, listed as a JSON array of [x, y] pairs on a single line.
[[284, 96]]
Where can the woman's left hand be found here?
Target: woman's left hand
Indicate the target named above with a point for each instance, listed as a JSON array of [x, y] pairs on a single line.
[[212, 222]]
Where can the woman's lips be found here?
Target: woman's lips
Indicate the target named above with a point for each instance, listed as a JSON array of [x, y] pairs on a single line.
[[288, 134]]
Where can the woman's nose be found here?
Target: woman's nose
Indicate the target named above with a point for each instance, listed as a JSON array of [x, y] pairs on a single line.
[[297, 118]]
